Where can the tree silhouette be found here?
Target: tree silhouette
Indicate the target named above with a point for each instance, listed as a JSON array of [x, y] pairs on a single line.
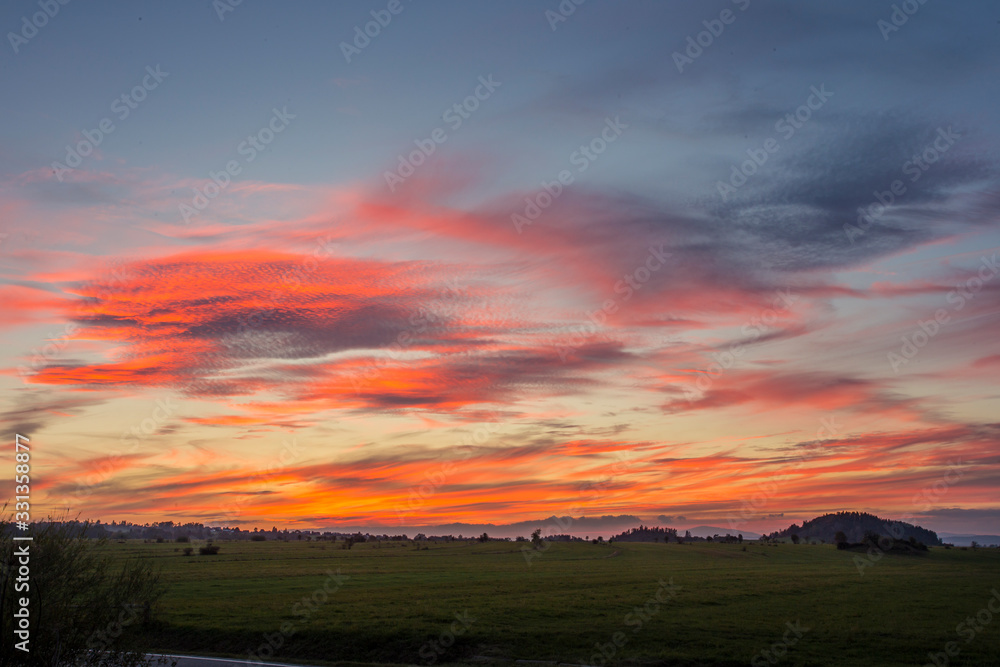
[[536, 538]]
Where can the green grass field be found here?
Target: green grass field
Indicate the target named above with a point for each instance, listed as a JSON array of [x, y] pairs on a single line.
[[728, 604]]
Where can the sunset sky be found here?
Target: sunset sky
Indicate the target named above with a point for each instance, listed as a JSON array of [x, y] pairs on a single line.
[[729, 263]]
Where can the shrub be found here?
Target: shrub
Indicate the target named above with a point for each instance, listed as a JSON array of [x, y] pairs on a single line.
[[258, 537], [85, 591], [209, 550], [188, 551], [183, 538]]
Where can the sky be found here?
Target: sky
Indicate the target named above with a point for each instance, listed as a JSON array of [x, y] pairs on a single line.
[[404, 264]]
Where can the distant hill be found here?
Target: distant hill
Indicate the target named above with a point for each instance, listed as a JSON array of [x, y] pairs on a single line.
[[854, 525]]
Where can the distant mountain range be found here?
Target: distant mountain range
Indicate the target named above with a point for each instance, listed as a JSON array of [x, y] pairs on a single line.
[[855, 525], [967, 540]]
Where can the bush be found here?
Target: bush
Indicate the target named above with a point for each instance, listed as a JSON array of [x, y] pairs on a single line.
[[188, 551], [258, 537], [183, 538], [89, 599], [209, 550]]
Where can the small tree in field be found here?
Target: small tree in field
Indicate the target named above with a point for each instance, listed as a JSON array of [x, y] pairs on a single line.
[[795, 538], [536, 538], [840, 537]]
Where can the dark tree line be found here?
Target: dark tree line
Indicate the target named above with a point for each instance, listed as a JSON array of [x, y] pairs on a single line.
[[647, 534]]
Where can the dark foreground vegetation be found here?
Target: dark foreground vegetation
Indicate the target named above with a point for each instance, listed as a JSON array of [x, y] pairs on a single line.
[[86, 604]]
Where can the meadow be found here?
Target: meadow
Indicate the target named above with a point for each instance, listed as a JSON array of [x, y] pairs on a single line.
[[579, 603]]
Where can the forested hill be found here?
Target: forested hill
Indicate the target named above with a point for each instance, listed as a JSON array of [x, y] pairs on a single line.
[[854, 525], [647, 534]]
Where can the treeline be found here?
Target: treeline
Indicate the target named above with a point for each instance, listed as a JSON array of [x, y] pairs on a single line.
[[169, 531], [665, 534], [647, 534]]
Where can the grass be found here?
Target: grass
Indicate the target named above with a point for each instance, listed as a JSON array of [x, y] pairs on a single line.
[[731, 604]]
